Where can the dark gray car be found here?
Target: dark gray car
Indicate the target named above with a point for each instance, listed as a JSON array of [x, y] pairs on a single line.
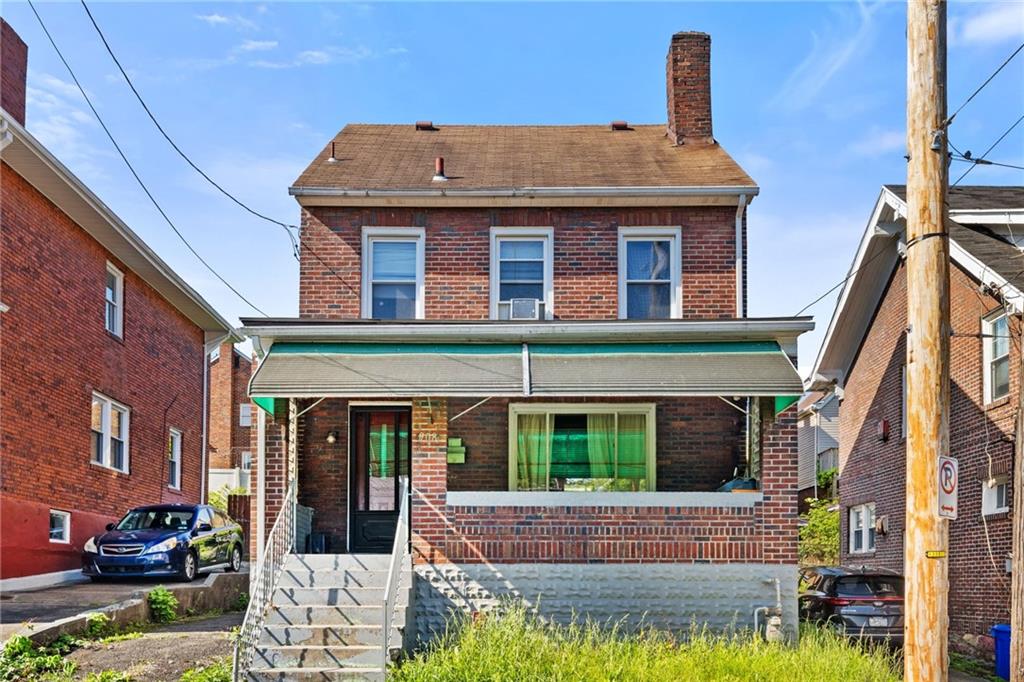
[[863, 603]]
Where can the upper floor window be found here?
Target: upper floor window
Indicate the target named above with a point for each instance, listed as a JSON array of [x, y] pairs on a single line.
[[522, 273], [995, 495], [215, 354], [996, 337], [174, 459], [393, 273], [650, 273], [862, 528], [245, 415], [115, 301], [110, 422]]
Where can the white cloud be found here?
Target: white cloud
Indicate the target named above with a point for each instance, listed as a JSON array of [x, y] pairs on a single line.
[[213, 19], [320, 57], [830, 52], [996, 23], [256, 45], [57, 118], [878, 142], [237, 22]]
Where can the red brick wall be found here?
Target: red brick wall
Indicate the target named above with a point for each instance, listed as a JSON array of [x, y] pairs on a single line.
[[458, 258], [55, 353], [874, 471], [229, 382], [700, 442], [13, 71]]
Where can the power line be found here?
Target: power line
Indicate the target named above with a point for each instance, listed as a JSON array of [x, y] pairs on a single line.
[[982, 86], [840, 283], [297, 244], [986, 162], [131, 168], [992, 146]]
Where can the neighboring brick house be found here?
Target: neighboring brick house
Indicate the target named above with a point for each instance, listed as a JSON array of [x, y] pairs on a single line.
[[230, 418], [863, 358], [103, 349], [545, 327]]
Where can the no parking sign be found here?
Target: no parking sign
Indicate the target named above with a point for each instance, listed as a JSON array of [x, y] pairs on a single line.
[[949, 475]]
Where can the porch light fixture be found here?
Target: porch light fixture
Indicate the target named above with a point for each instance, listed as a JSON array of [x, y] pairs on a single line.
[[332, 437]]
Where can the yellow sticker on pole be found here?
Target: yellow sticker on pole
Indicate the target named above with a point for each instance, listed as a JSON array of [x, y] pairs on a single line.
[[935, 554]]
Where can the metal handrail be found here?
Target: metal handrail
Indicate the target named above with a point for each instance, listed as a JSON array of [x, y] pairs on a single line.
[[399, 551], [264, 580]]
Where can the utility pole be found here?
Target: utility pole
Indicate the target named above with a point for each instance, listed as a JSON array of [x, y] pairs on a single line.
[[926, 538], [1017, 546]]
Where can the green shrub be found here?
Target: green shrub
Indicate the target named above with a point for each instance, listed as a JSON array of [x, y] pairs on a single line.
[[819, 538], [23, 661], [98, 625], [218, 671], [219, 498], [242, 602], [825, 479], [520, 646], [163, 605], [109, 676]]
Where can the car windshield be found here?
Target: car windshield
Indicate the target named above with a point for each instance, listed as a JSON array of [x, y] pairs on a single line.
[[157, 519], [870, 586]]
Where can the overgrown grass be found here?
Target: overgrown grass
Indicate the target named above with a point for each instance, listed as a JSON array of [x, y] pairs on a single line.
[[516, 646], [218, 671]]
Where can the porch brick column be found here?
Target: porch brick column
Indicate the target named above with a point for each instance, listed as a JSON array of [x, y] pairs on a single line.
[[429, 479], [779, 482], [276, 482]]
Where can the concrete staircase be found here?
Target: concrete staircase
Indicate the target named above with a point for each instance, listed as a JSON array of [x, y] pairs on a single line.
[[325, 619]]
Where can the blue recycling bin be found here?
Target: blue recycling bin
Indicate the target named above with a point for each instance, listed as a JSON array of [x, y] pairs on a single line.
[[1001, 633]]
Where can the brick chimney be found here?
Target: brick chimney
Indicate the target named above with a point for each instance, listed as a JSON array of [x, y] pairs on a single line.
[[13, 71], [689, 88]]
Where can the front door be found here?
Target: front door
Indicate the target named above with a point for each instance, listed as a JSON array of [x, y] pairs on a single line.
[[380, 442]]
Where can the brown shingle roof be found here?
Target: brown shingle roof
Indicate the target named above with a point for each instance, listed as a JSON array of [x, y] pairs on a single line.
[[399, 157], [976, 197]]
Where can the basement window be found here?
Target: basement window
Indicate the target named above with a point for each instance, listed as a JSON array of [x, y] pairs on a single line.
[[60, 526], [582, 448], [862, 528]]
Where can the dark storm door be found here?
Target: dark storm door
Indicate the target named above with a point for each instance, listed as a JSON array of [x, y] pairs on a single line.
[[381, 439]]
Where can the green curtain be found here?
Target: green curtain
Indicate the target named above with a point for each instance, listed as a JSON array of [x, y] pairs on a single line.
[[633, 449], [532, 452], [382, 452], [601, 445]]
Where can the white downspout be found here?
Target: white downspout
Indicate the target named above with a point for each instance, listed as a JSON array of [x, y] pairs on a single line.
[[742, 204]]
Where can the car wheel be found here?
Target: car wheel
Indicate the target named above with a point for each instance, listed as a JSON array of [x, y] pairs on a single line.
[[235, 562], [190, 567]]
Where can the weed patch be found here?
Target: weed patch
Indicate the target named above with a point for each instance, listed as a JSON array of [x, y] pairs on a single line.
[[163, 605], [220, 671]]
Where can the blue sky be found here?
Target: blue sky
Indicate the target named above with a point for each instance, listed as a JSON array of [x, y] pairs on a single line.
[[809, 97]]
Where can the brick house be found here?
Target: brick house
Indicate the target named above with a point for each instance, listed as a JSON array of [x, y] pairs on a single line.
[[545, 328], [230, 418], [862, 361], [103, 346]]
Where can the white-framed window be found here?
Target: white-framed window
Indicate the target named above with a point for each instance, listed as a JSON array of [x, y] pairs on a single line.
[[246, 461], [215, 355], [110, 426], [60, 526], [995, 331], [650, 273], [995, 495], [586, 447], [522, 267], [245, 415], [862, 528], [393, 273], [114, 301], [174, 459]]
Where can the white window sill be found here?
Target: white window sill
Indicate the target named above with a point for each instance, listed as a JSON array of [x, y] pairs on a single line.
[[60, 542], [571, 499], [123, 472]]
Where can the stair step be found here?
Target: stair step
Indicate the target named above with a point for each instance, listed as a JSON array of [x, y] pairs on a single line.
[[302, 656], [327, 635], [325, 615], [337, 562], [334, 596], [315, 674], [340, 578]]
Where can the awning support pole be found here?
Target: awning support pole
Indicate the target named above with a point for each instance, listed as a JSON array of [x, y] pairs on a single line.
[[310, 407], [527, 390], [731, 404], [470, 409]]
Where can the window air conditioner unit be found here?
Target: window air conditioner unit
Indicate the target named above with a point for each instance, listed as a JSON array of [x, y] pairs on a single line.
[[525, 309]]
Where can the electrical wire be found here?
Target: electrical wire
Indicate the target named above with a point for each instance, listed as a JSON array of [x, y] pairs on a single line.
[[839, 284], [986, 162], [982, 86], [992, 146], [297, 243], [131, 168]]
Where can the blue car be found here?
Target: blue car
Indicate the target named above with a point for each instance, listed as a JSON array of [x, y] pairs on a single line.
[[177, 540]]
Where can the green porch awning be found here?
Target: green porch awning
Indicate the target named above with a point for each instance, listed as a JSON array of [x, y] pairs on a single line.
[[410, 370]]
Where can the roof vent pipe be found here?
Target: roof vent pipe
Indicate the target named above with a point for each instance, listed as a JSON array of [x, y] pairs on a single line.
[[439, 175], [620, 125], [425, 125], [332, 158]]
